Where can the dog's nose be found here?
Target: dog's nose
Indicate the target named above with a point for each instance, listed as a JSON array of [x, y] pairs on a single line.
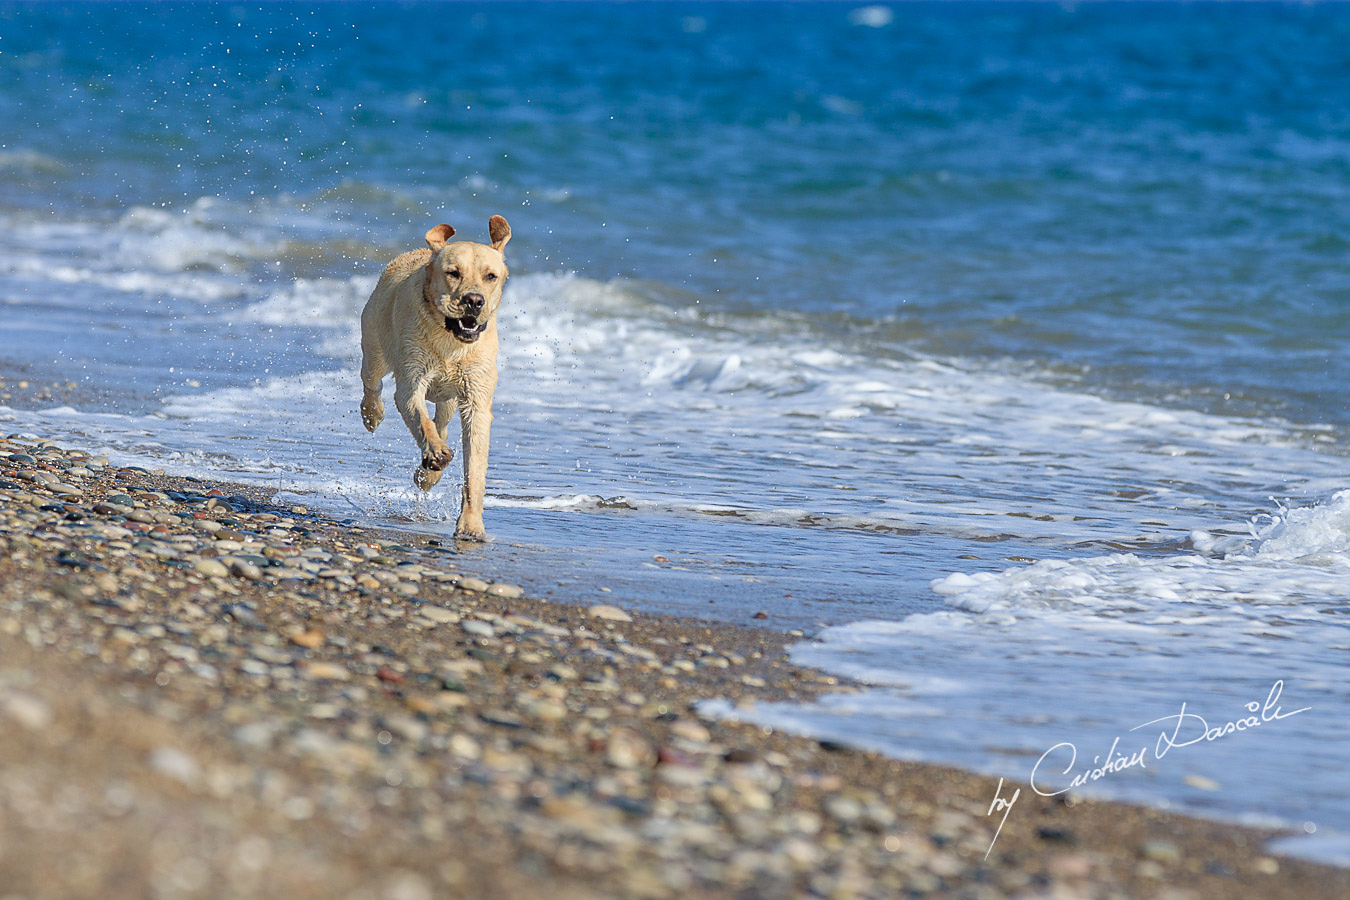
[[473, 303]]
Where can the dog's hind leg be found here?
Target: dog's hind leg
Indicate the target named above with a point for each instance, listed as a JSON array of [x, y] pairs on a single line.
[[373, 370]]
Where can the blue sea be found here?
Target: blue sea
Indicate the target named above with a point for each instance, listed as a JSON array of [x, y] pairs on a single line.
[[1003, 349]]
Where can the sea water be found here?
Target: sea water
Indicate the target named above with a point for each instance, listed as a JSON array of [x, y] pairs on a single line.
[[1002, 348]]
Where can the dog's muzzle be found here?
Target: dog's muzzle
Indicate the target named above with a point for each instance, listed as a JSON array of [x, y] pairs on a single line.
[[466, 328]]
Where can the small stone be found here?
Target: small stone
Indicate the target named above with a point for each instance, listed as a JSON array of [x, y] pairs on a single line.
[[439, 615], [626, 749], [608, 613], [545, 709], [562, 672], [469, 583], [1161, 851], [327, 671], [477, 627], [245, 570], [844, 810], [464, 747], [308, 639], [175, 764], [66, 490], [27, 710], [1202, 783], [506, 591], [690, 731], [211, 567]]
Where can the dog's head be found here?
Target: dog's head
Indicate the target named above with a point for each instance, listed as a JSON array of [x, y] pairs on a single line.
[[464, 280]]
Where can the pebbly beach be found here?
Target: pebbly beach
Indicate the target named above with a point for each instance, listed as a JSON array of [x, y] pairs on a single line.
[[207, 694]]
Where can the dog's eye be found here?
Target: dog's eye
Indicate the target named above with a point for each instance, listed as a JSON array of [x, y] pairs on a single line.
[[452, 273], [491, 276]]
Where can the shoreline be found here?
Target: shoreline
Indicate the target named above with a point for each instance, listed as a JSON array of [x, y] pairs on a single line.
[[218, 696]]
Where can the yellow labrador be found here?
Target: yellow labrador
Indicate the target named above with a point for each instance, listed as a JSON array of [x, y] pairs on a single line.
[[432, 321]]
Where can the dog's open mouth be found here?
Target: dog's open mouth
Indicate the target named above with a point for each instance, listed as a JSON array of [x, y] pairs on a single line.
[[466, 328]]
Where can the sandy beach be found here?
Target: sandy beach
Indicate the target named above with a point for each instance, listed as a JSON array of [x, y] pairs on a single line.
[[205, 694]]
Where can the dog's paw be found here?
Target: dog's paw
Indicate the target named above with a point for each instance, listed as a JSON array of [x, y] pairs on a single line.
[[470, 529], [372, 414], [426, 478], [437, 458]]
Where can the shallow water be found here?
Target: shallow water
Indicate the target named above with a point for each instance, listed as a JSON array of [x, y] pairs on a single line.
[[1010, 341]]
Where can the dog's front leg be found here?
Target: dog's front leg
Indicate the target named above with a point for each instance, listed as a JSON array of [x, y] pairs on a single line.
[[410, 396], [475, 421]]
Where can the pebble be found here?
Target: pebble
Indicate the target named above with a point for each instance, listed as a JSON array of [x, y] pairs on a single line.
[[326, 671], [175, 764], [506, 591], [26, 710], [245, 570], [1160, 851], [626, 749], [211, 567], [439, 615], [608, 613], [472, 584], [475, 627]]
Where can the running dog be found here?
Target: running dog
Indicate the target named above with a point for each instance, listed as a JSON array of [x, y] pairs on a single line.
[[432, 321]]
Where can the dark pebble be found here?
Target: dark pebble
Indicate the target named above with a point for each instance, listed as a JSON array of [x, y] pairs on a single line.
[[240, 613], [74, 559], [629, 805], [506, 720], [1057, 835], [834, 746], [740, 755], [760, 615], [120, 500], [23, 458], [669, 756]]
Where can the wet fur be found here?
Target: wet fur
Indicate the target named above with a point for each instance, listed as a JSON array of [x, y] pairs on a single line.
[[405, 330]]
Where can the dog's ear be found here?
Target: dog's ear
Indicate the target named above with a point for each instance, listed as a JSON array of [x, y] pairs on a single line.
[[437, 237], [499, 231]]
